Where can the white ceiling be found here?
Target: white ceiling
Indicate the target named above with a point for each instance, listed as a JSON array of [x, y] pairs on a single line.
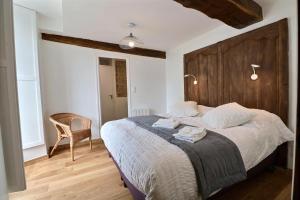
[[48, 8], [161, 24]]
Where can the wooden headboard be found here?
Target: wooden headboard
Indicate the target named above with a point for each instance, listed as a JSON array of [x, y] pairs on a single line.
[[223, 71]]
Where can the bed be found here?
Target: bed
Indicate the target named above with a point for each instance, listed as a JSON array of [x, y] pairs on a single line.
[[157, 169], [152, 168]]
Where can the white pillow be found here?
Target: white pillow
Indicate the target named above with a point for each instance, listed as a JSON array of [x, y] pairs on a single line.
[[228, 115], [264, 119], [203, 109], [184, 109]]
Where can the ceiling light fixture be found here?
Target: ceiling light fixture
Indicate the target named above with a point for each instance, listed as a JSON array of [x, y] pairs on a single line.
[[130, 41]]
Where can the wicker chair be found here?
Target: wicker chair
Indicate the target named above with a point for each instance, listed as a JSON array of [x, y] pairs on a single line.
[[63, 124]]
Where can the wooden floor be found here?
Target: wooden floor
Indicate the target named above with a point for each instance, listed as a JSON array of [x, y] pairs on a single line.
[[93, 176]]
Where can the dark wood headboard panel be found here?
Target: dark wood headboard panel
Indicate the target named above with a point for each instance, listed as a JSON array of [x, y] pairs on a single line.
[[223, 71]]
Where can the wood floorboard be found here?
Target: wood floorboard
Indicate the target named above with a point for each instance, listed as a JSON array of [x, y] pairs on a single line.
[[93, 176], [268, 185]]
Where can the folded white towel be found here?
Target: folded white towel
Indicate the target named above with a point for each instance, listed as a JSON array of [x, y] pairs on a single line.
[[191, 130], [190, 134], [190, 139], [166, 123]]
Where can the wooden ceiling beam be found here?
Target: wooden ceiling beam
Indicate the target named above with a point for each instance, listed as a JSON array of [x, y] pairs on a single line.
[[236, 13], [103, 45]]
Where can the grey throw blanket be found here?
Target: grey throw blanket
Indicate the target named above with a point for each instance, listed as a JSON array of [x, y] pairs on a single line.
[[216, 159]]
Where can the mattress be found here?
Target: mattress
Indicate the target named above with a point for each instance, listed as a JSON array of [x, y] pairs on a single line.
[[163, 171]]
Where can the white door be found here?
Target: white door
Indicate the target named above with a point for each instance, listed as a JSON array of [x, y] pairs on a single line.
[[25, 25], [107, 94]]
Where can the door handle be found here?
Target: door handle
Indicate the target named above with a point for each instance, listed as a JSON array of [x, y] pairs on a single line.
[[111, 96]]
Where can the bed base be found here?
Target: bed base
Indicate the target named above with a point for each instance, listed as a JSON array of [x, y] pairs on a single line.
[[136, 194], [277, 158]]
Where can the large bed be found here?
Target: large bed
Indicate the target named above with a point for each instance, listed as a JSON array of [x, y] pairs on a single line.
[[161, 170], [154, 168]]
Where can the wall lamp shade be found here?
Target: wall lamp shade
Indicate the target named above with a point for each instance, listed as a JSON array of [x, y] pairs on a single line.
[[191, 75], [254, 76]]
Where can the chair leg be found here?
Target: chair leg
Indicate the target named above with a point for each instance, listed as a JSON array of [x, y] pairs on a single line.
[[90, 139], [72, 150], [55, 146]]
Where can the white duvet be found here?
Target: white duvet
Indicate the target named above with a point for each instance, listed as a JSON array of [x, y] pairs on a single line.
[[163, 171]]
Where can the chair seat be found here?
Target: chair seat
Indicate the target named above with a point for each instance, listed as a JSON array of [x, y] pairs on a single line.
[[81, 134]]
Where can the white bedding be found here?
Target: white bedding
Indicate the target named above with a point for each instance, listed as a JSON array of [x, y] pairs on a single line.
[[163, 171]]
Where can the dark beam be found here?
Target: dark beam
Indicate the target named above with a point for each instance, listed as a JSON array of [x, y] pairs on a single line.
[[102, 45], [235, 13]]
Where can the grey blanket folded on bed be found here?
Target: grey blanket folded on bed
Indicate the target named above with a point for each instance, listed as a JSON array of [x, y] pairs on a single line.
[[216, 159]]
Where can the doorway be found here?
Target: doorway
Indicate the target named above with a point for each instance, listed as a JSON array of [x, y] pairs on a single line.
[[113, 89]]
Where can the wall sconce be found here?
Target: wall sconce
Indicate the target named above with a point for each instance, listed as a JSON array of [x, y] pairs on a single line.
[[195, 79], [254, 76]]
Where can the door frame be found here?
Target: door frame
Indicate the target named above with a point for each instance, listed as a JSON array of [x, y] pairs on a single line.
[[296, 171], [113, 55], [9, 116]]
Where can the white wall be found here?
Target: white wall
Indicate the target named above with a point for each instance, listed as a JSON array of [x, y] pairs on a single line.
[[275, 11], [148, 84], [49, 13], [69, 77]]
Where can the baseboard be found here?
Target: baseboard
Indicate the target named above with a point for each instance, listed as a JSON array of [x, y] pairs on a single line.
[[35, 160], [67, 146], [59, 147], [34, 152]]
